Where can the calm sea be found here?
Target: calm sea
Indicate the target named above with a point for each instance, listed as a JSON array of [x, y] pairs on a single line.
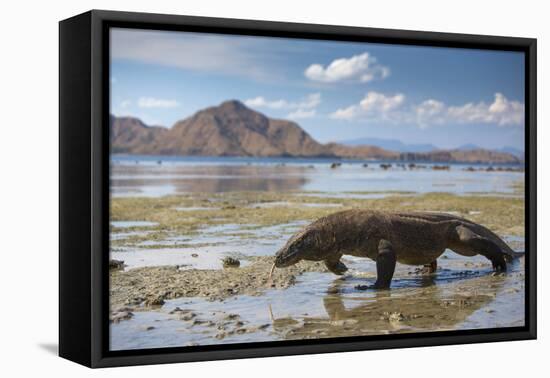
[[169, 175]]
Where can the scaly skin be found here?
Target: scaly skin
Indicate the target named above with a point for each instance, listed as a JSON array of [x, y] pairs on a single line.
[[413, 238]]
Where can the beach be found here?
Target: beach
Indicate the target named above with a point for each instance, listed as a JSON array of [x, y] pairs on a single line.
[[174, 221]]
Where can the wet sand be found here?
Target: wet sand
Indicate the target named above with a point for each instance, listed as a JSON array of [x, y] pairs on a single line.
[[173, 290], [312, 303]]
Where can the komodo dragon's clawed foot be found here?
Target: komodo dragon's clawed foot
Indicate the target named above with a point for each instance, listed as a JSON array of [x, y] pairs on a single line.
[[337, 267], [375, 286], [499, 266], [427, 269]]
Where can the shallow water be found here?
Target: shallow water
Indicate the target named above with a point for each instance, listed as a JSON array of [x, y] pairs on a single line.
[[463, 294], [143, 176], [269, 205], [130, 224], [206, 249]]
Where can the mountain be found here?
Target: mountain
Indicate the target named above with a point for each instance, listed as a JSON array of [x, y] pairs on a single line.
[[390, 144], [130, 135], [467, 147], [514, 151], [506, 149], [232, 129], [362, 152], [478, 155]]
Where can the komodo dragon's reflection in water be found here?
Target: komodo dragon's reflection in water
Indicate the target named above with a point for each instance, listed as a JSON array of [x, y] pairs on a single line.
[[429, 307]]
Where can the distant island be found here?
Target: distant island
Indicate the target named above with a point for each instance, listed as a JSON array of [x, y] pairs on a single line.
[[233, 129]]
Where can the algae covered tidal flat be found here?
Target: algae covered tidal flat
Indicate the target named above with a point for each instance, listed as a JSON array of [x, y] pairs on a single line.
[[169, 286]]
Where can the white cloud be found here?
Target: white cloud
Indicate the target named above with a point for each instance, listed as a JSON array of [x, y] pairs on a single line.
[[430, 112], [309, 102], [377, 106], [125, 104], [304, 108], [373, 105], [301, 114], [261, 102], [378, 102], [501, 111], [241, 56], [345, 113], [362, 68], [151, 102]]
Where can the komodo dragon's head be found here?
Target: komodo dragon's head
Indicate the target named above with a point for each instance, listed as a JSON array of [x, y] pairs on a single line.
[[302, 246]]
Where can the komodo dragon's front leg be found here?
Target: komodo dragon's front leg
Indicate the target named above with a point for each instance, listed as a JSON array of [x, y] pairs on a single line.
[[385, 266], [336, 266], [483, 246]]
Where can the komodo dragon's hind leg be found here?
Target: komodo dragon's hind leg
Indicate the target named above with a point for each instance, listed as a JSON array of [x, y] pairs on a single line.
[[336, 266], [483, 246]]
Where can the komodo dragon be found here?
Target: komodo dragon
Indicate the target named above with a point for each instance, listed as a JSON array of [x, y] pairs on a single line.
[[412, 238]]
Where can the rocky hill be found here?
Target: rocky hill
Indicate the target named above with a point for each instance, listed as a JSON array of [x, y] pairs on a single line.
[[362, 152], [130, 135], [478, 155], [232, 129]]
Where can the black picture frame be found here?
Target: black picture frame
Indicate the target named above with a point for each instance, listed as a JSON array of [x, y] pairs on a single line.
[[84, 187]]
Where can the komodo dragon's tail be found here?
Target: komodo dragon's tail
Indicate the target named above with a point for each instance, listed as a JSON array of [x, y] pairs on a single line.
[[509, 253]]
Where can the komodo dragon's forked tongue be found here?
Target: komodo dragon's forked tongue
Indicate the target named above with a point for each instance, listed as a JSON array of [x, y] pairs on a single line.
[[269, 279]]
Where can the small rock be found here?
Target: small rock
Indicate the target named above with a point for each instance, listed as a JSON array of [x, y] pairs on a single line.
[[176, 310], [396, 317], [116, 265], [125, 309], [188, 316], [154, 301], [230, 262], [119, 316], [344, 322]]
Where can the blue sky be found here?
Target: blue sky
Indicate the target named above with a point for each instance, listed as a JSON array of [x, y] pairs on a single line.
[[334, 90]]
